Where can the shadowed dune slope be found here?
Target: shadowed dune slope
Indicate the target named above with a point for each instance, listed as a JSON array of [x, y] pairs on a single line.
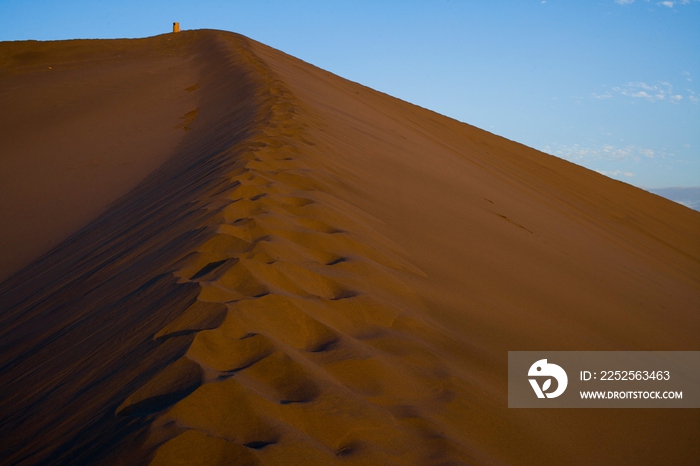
[[323, 274], [83, 122]]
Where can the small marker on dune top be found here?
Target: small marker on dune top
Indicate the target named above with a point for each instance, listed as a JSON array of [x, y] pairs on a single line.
[[176, 27]]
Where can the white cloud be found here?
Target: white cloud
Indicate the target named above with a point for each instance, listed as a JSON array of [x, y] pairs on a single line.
[[671, 4], [641, 94], [663, 91], [667, 3], [581, 154], [616, 173]]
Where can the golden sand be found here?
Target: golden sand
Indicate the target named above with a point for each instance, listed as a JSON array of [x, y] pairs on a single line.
[[318, 273]]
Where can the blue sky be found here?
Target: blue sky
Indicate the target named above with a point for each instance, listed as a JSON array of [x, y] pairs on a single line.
[[613, 85]]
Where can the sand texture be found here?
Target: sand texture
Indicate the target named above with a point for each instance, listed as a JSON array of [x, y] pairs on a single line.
[[294, 269]]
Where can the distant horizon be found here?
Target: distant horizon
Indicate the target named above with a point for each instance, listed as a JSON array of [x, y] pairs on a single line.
[[687, 196], [587, 83]]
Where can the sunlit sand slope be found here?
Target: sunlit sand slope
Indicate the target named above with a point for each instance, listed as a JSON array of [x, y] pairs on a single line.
[[322, 274]]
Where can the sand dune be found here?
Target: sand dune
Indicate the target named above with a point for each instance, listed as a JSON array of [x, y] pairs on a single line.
[[85, 122], [305, 271]]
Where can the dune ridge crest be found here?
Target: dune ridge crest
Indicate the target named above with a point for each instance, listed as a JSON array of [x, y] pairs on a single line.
[[279, 318], [302, 324]]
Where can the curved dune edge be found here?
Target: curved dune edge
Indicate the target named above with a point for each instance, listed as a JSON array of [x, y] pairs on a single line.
[[304, 336], [83, 123]]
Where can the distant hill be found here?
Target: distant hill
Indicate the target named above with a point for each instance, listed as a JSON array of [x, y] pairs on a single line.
[[689, 197]]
